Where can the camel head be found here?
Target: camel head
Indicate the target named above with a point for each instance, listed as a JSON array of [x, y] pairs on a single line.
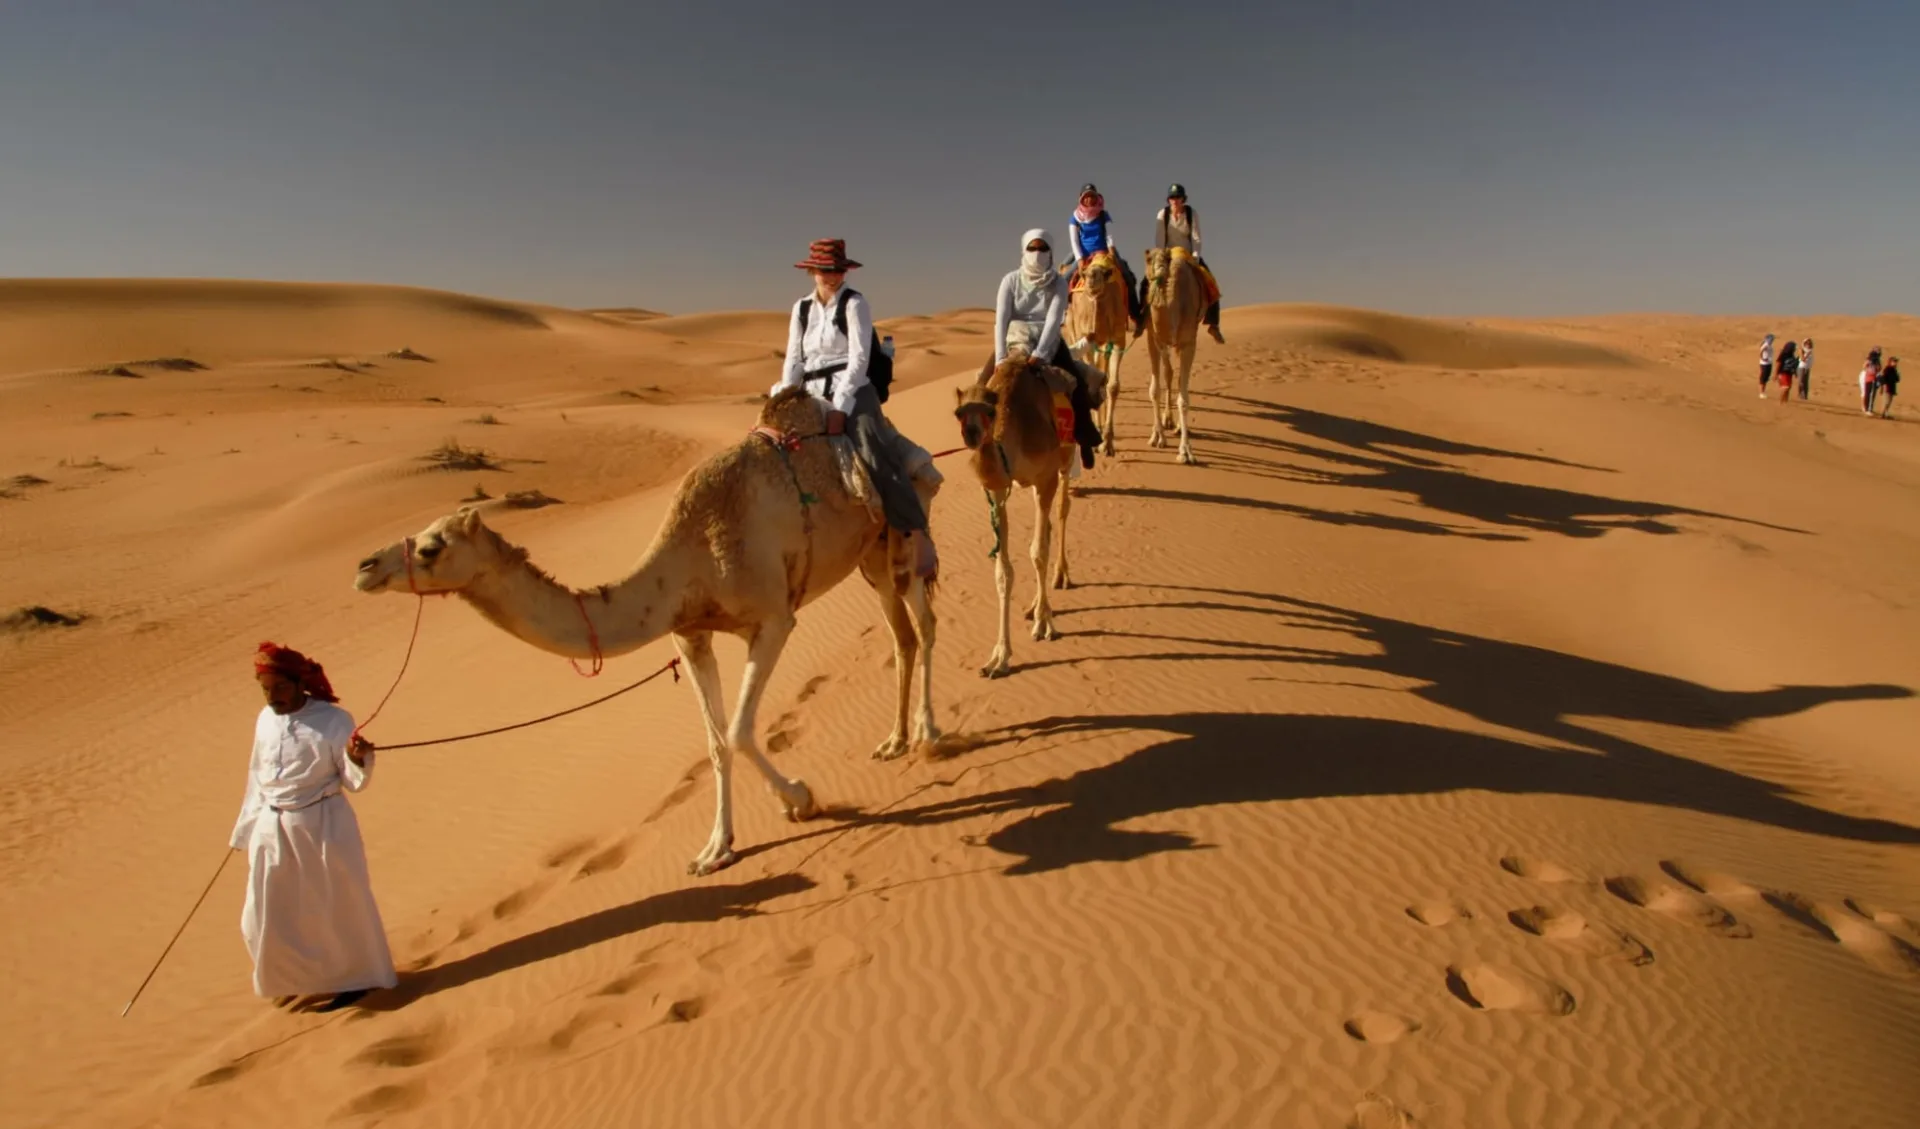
[[1099, 274], [444, 557], [975, 407], [794, 411], [1160, 262]]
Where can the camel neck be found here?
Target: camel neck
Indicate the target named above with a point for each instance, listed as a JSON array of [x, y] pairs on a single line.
[[614, 620]]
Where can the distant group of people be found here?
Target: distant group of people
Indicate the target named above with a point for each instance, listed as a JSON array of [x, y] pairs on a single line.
[[1879, 382]]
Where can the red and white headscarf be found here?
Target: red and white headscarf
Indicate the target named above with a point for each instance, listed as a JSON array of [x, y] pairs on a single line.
[[295, 668]]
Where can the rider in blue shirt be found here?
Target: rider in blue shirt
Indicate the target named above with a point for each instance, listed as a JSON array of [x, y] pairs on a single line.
[[1089, 231]]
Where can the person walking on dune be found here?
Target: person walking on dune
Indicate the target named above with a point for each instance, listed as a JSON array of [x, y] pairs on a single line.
[[1766, 363], [1806, 366], [1788, 367], [1889, 385], [831, 350], [310, 921], [1869, 381]]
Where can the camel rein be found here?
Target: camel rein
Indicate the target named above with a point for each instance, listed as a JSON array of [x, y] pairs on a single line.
[[593, 643]]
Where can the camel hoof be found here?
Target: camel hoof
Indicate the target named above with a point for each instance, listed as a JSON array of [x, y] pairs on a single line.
[[998, 669], [703, 866], [891, 749], [1046, 633], [804, 810], [1062, 583]]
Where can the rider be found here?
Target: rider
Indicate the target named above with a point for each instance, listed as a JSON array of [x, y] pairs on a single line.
[[1027, 314], [1178, 225], [1090, 232], [832, 365]]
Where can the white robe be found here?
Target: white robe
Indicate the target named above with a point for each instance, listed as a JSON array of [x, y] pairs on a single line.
[[310, 921]]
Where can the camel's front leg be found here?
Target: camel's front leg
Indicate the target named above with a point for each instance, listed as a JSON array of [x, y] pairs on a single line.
[[1061, 577], [1043, 492], [697, 652], [1112, 408], [1001, 661], [763, 651], [1186, 373], [1157, 387], [919, 603]]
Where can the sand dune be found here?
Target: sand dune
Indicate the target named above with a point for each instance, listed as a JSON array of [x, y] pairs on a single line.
[[1506, 724]]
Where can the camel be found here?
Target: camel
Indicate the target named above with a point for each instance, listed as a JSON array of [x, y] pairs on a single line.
[[1097, 326], [1176, 301], [1007, 420], [755, 533]]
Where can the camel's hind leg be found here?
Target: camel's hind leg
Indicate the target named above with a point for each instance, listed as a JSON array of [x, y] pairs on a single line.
[[1061, 577], [1000, 662], [1186, 373], [1103, 356], [887, 583], [1043, 492]]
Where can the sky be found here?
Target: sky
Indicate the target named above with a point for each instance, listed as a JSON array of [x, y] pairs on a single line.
[[1459, 159]]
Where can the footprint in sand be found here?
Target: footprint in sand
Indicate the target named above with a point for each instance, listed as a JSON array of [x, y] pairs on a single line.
[[1438, 911], [1859, 935], [1538, 870], [517, 903], [1713, 883], [610, 858], [561, 856], [626, 982], [1679, 903], [411, 1048], [1573, 931], [681, 790], [782, 734], [1380, 1027], [1897, 924], [384, 1099], [1376, 1111], [813, 687], [1499, 987]]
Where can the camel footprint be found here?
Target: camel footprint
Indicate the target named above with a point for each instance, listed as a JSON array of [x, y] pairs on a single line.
[[1499, 987], [1679, 903], [1862, 936], [1438, 911], [1380, 1026], [408, 1049], [611, 857], [1894, 923], [681, 790], [1573, 931], [784, 731], [1538, 870], [1713, 883], [1377, 1111], [813, 687]]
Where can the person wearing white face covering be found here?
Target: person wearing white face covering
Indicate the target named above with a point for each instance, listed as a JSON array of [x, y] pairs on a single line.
[[1028, 313]]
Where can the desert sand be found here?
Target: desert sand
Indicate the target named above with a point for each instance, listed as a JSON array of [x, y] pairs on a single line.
[[1507, 724]]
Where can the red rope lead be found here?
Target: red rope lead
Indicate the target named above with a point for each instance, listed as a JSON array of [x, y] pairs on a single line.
[[948, 451], [593, 642], [420, 605]]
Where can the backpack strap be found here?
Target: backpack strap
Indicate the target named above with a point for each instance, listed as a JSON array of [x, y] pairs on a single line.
[[840, 309]]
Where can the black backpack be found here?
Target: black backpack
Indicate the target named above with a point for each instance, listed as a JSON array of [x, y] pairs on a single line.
[[879, 364]]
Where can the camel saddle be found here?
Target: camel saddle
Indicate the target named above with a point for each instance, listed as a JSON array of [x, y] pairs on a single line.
[[1207, 284]]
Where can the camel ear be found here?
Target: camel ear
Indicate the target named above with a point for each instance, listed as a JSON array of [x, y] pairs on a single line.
[[469, 519]]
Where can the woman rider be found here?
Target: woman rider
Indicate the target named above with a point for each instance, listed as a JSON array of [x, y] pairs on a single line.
[[1091, 231], [1028, 312], [1178, 225]]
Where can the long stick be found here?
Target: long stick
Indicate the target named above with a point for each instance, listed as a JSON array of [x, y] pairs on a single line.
[[176, 933]]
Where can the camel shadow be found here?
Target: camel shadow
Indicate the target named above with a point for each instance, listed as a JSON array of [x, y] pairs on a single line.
[[1366, 520], [1512, 685], [1378, 439], [1433, 484], [705, 903]]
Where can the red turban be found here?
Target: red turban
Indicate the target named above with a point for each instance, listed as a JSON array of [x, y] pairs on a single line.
[[295, 668]]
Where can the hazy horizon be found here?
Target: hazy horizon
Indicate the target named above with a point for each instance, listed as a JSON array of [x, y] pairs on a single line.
[[1489, 159]]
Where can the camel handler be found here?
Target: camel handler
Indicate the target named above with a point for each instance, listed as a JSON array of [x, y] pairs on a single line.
[[1178, 225], [310, 921], [830, 347], [1028, 313]]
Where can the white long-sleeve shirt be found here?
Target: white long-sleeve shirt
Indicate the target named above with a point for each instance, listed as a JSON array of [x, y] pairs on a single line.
[[298, 760], [1766, 352], [822, 345], [1038, 314]]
